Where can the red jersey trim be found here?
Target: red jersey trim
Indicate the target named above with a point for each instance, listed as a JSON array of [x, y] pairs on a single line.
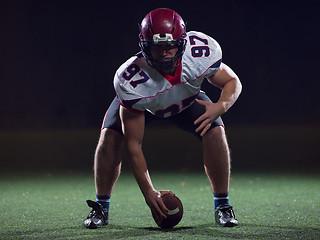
[[176, 78]]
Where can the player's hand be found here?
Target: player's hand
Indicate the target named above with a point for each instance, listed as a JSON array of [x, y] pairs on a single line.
[[213, 111], [156, 205]]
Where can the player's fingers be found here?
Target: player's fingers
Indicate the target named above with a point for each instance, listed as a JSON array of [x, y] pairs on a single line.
[[164, 192], [157, 217], [200, 119], [156, 210], [205, 129], [163, 207], [203, 125], [201, 102], [203, 116]]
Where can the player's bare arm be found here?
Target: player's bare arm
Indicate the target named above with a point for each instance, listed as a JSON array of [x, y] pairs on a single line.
[[231, 87], [133, 130]]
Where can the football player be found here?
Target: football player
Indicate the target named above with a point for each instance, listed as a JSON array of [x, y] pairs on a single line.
[[163, 81]]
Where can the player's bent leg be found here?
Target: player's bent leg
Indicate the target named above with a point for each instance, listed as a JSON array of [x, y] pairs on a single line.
[[217, 167], [107, 161], [217, 159], [107, 167]]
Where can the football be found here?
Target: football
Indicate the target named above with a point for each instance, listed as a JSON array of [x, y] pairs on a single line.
[[175, 213]]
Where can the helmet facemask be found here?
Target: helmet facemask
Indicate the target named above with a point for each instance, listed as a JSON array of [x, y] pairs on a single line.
[[162, 39]]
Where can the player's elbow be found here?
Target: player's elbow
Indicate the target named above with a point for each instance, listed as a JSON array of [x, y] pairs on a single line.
[[238, 85]]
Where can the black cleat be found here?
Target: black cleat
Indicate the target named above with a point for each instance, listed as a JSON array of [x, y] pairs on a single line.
[[98, 216], [225, 217]]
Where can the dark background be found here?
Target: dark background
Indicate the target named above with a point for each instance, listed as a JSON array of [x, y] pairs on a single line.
[[58, 59]]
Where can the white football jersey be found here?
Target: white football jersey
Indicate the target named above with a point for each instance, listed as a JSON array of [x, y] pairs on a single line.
[[140, 87]]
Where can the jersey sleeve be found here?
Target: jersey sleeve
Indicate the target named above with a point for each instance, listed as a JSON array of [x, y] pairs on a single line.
[[205, 53], [127, 97], [216, 59]]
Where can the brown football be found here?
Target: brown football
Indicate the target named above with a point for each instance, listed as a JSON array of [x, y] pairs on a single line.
[[175, 213]]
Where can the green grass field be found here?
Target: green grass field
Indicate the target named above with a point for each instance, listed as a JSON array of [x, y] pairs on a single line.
[[52, 206]]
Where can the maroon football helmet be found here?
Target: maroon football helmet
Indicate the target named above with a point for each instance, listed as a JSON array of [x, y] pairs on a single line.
[[162, 26]]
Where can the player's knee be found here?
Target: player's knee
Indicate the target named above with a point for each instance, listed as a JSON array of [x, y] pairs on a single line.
[[110, 137], [215, 137], [110, 144]]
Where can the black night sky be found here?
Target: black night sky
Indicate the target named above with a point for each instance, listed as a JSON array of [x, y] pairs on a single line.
[[58, 58]]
